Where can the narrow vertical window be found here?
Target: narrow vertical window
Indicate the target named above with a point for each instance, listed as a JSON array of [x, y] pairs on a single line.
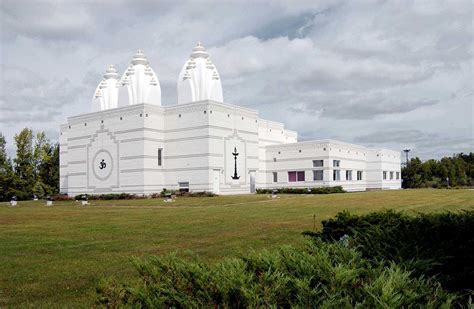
[[348, 175], [291, 176], [359, 175], [391, 175], [318, 175], [275, 177], [160, 150], [384, 175]]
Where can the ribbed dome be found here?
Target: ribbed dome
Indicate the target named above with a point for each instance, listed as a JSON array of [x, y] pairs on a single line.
[[141, 81], [199, 79], [107, 92]]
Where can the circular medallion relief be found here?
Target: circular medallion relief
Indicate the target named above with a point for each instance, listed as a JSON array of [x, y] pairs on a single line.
[[102, 164]]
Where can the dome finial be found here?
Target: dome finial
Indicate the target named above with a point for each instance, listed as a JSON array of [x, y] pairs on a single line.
[[111, 72], [139, 58], [199, 51]]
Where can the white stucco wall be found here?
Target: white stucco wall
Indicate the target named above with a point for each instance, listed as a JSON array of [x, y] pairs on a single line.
[[197, 140]]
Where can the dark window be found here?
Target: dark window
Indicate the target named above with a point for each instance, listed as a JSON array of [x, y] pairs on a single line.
[[318, 163], [391, 175], [348, 175], [318, 175], [359, 175], [291, 176], [300, 176], [183, 186], [336, 163], [384, 175], [159, 156], [336, 175], [398, 175], [275, 177]]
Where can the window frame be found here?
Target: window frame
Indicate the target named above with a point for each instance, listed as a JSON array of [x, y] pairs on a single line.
[[315, 172], [316, 165], [297, 175], [349, 175], [275, 176], [160, 157]]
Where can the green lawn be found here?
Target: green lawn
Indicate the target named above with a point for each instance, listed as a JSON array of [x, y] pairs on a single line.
[[53, 256]]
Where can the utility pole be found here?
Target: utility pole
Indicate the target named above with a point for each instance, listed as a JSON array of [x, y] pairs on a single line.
[[406, 180]]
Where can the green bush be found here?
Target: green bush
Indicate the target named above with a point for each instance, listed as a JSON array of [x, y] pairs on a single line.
[[318, 275], [110, 196], [440, 245], [316, 190]]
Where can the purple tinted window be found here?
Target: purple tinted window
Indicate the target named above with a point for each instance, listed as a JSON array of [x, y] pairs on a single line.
[[291, 176], [300, 176]]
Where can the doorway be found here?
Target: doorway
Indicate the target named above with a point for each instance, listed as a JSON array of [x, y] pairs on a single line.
[[252, 181], [216, 177]]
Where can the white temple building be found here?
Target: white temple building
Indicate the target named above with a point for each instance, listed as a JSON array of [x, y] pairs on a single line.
[[131, 143]]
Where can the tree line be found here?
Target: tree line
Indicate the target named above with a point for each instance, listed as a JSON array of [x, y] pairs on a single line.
[[455, 171], [33, 171]]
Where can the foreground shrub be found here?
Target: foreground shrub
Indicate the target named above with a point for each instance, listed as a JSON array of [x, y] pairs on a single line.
[[318, 275], [440, 245], [316, 190]]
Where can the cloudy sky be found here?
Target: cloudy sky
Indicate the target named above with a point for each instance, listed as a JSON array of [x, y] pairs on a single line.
[[388, 74]]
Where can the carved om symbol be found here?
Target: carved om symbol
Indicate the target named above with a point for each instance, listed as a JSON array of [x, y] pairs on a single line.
[[102, 164]]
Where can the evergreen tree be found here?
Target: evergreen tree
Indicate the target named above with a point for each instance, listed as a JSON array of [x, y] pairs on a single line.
[[24, 163]]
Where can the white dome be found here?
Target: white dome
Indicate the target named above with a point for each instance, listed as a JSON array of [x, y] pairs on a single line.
[[199, 79], [141, 82], [107, 92]]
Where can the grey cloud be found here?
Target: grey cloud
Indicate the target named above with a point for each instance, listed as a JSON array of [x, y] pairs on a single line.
[[329, 69], [27, 98]]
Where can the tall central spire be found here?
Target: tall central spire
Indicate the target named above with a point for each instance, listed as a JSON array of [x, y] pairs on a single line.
[[199, 79]]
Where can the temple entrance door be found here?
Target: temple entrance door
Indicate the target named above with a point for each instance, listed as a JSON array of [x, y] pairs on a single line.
[[252, 181], [216, 176]]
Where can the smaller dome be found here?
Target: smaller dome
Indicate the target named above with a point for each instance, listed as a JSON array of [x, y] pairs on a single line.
[[106, 93], [141, 82]]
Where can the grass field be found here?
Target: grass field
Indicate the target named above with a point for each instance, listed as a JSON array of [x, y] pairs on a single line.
[[53, 256]]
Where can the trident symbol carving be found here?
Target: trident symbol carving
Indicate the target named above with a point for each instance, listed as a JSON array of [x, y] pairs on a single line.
[[235, 154], [102, 164]]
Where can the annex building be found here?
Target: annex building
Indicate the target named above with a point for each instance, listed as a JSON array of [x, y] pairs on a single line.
[[131, 143]]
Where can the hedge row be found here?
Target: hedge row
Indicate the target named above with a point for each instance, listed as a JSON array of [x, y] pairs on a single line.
[[127, 196], [317, 190]]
